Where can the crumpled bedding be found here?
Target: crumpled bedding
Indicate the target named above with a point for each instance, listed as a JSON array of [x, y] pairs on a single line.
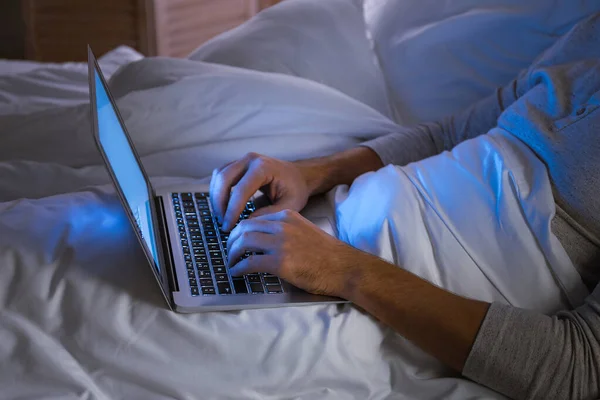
[[81, 318]]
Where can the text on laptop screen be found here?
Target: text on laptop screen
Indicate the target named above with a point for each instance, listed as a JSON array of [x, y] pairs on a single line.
[[125, 166]]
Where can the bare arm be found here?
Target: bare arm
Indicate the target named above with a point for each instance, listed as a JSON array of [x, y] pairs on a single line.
[[441, 323], [287, 184], [323, 174]]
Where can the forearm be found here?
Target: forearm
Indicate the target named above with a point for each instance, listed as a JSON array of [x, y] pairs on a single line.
[[324, 173], [409, 144], [439, 322]]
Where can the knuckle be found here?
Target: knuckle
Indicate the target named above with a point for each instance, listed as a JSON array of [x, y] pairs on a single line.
[[260, 163], [245, 237], [279, 228], [288, 215], [252, 155]]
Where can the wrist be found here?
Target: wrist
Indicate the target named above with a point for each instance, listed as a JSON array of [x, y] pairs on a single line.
[[322, 174], [355, 273], [315, 175]]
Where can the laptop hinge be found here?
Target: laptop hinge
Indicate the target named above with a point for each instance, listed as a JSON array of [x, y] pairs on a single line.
[[166, 243]]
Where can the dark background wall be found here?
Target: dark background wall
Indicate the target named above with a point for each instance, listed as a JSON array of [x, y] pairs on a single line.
[[12, 43]]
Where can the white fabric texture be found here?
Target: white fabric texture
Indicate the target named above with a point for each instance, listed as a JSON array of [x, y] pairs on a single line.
[[312, 39], [475, 221], [28, 86], [441, 56], [80, 316]]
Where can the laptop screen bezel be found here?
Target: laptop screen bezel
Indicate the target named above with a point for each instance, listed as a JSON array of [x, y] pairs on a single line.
[[160, 273]]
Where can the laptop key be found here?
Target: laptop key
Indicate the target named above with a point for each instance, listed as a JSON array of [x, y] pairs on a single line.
[[256, 288], [210, 232], [253, 278], [202, 265], [224, 288], [217, 262], [274, 289], [221, 278], [195, 291], [208, 290], [271, 280], [240, 285], [203, 274], [193, 282], [212, 240], [204, 282], [191, 274], [213, 247], [219, 270]]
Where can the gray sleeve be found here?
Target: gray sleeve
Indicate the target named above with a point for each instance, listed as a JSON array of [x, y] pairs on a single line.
[[526, 355], [422, 141]]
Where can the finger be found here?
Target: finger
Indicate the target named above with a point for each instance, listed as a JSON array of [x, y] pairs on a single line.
[[257, 263], [255, 242], [222, 183], [253, 179], [272, 209], [211, 189], [251, 225], [285, 215]]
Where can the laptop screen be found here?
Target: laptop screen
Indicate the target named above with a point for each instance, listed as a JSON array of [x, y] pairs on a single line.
[[125, 167]]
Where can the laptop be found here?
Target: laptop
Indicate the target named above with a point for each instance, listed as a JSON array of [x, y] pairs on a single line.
[[184, 246]]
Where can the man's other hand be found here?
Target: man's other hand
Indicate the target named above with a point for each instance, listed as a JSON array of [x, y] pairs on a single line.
[[296, 250], [234, 184]]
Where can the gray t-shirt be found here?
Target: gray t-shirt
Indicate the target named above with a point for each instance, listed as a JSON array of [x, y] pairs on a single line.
[[553, 107]]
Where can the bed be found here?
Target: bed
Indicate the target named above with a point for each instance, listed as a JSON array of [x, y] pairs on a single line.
[[80, 315]]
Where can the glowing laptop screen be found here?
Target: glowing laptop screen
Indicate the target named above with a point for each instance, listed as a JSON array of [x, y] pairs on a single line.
[[125, 167]]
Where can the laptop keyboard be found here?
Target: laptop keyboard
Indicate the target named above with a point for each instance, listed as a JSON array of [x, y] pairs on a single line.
[[204, 248]]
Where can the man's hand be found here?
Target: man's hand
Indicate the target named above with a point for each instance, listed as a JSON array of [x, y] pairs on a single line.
[[296, 250], [441, 323], [283, 182], [287, 184]]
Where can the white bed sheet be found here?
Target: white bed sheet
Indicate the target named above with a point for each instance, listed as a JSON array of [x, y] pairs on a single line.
[[80, 315]]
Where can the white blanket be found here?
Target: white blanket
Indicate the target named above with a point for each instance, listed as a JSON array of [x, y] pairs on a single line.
[[81, 318]]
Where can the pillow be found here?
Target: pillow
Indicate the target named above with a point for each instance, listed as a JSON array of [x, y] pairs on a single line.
[[324, 41], [441, 56], [26, 87]]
